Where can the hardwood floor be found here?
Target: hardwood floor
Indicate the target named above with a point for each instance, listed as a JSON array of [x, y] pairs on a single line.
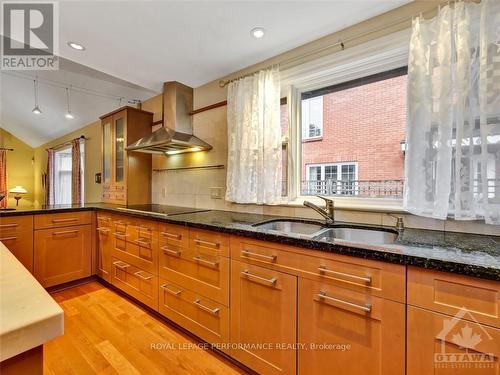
[[107, 334]]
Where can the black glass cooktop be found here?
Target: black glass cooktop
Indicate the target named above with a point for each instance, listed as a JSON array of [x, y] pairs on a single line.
[[161, 209]]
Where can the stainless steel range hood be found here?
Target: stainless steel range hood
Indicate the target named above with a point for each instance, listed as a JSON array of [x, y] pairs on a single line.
[[176, 134]]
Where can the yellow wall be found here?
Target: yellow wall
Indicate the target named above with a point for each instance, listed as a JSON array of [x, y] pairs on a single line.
[[92, 162], [20, 169]]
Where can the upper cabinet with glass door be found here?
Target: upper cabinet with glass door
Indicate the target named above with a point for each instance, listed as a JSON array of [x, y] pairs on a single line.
[[119, 129]]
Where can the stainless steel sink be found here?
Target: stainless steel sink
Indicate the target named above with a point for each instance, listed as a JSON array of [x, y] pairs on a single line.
[[364, 235], [288, 226]]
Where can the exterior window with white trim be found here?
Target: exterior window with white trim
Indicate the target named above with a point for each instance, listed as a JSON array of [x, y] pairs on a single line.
[[312, 118], [331, 179]]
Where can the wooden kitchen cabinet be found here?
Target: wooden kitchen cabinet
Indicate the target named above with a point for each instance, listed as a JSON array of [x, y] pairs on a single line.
[[263, 318], [104, 245], [341, 331], [62, 254], [439, 344], [126, 176], [16, 233]]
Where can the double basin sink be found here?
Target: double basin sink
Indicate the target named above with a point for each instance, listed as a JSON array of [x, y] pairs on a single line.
[[323, 232]]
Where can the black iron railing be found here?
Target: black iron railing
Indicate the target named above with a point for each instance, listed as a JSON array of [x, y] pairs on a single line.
[[366, 188]]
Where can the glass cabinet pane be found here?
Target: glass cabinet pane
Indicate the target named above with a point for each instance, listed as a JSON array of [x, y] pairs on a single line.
[[107, 153], [119, 149]]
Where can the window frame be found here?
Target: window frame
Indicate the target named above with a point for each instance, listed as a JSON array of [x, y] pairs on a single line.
[[65, 149], [377, 56], [306, 134], [338, 173]]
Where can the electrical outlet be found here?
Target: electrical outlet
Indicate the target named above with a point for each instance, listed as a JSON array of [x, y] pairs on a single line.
[[215, 192]]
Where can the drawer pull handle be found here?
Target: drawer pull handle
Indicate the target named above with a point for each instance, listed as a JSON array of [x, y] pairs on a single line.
[[208, 243], [166, 250], [171, 235], [103, 230], [120, 235], [323, 296], [60, 233], [198, 303], [144, 227], [204, 261], [366, 279], [140, 274], [250, 276], [8, 238], [143, 243], [119, 223], [64, 220], [173, 292], [249, 254], [121, 265], [13, 225]]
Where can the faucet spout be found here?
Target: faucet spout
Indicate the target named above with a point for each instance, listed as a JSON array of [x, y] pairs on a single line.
[[328, 213]]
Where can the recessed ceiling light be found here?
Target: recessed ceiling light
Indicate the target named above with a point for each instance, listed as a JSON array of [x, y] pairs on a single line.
[[76, 46], [257, 32]]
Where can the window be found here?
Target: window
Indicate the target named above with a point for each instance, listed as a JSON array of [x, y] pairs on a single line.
[[330, 179], [312, 118], [362, 121], [62, 174]]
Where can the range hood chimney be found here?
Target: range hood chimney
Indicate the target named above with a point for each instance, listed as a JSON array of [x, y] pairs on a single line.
[[176, 134]]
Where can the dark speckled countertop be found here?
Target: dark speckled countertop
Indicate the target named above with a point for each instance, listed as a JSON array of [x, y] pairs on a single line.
[[463, 253]]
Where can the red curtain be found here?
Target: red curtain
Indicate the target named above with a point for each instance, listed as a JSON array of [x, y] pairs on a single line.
[[76, 173], [3, 178]]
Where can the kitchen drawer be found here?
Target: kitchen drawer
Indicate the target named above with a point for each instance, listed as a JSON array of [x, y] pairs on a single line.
[[372, 327], [205, 318], [372, 277], [142, 253], [455, 294], [62, 219], [62, 254], [173, 237], [104, 220], [207, 274], [15, 224], [21, 245], [140, 284], [138, 230], [208, 242]]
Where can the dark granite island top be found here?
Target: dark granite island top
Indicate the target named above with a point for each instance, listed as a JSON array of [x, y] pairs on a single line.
[[462, 253]]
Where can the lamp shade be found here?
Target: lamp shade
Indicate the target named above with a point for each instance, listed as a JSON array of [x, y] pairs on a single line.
[[18, 190]]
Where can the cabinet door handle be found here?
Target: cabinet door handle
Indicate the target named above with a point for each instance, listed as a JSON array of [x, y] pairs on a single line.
[[197, 302], [121, 265], [204, 261], [64, 220], [140, 274], [366, 279], [249, 254], [171, 235], [13, 225], [166, 250], [208, 243], [62, 232], [174, 292], [250, 276], [8, 238], [323, 296], [143, 243]]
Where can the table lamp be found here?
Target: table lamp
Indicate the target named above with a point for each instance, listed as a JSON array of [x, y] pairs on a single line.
[[18, 192]]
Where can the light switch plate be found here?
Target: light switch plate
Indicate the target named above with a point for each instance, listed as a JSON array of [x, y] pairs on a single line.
[[215, 192]]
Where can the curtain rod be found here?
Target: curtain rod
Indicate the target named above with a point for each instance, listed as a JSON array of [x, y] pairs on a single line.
[[340, 43], [6, 149], [82, 137]]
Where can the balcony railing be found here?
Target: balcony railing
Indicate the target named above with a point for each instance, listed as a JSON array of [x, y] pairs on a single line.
[[366, 188]]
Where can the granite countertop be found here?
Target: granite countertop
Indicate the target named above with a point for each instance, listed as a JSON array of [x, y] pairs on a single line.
[[463, 253], [29, 317]]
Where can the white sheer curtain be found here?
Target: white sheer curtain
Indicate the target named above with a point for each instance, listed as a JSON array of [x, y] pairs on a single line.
[[254, 139], [62, 176], [453, 130]]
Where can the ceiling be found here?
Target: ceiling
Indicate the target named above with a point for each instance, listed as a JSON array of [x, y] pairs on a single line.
[[132, 47]]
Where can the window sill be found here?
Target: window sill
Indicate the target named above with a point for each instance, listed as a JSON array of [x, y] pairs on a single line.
[[386, 205], [312, 139]]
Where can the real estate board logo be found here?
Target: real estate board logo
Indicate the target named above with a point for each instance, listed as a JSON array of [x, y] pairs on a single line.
[[467, 338], [29, 36]]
